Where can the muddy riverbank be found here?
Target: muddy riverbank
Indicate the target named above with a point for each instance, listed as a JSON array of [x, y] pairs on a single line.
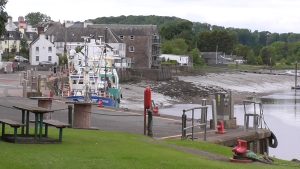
[[191, 89]]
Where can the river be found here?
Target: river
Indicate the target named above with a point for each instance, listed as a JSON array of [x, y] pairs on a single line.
[[282, 115]]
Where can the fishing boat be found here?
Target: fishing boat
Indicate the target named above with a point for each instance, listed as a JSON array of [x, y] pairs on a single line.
[[92, 76]]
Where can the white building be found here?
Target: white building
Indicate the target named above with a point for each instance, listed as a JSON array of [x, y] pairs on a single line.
[[182, 60], [42, 50]]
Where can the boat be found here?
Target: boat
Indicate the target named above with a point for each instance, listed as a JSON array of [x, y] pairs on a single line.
[[92, 76]]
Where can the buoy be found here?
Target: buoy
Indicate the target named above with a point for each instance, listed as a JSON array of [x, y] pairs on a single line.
[[100, 103]]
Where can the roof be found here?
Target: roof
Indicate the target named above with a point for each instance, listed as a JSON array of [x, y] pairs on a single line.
[[172, 55], [11, 35], [74, 34], [30, 36], [122, 29]]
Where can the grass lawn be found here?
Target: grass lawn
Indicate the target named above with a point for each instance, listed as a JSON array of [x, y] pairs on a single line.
[[91, 149]]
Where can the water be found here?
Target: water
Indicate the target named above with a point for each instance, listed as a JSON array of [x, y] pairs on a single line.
[[282, 115]]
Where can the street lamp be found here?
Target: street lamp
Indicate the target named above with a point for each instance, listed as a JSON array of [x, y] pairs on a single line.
[[8, 45]]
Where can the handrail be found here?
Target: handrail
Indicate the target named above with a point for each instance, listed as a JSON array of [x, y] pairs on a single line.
[[184, 120]]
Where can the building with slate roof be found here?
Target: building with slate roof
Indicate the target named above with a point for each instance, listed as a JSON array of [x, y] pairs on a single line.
[[142, 44]]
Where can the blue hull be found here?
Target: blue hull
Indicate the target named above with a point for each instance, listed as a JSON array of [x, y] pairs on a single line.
[[107, 102]]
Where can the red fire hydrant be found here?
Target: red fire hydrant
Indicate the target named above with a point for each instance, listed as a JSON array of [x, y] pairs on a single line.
[[220, 127], [100, 103]]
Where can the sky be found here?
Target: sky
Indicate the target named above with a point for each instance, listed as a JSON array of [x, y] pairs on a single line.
[[279, 16]]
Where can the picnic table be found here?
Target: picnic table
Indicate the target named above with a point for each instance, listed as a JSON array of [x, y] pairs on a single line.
[[38, 114]]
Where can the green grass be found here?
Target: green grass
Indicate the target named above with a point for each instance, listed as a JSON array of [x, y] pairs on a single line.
[[91, 149]]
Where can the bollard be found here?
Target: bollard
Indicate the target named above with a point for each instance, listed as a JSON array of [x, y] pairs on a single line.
[[150, 123], [183, 125], [203, 118], [39, 83], [70, 115], [214, 114], [24, 88]]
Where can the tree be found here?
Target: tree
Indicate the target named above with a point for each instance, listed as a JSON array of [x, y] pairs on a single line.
[[24, 51], [175, 46], [197, 59], [3, 16], [267, 55], [221, 39], [33, 18]]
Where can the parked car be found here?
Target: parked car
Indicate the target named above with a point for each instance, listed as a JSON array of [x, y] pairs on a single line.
[[21, 59], [46, 63]]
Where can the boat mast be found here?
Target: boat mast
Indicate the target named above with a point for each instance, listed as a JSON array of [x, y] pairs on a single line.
[[86, 71]]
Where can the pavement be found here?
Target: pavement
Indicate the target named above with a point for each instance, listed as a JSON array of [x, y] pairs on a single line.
[[120, 120]]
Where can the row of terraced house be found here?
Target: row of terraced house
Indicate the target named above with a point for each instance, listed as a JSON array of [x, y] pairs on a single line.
[[138, 45]]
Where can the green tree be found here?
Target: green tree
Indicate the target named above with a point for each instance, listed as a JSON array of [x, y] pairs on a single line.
[[177, 29], [222, 40], [197, 59], [267, 54], [33, 18], [3, 16], [175, 46], [24, 50]]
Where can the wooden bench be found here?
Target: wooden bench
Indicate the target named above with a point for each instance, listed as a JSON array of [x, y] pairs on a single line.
[[57, 124], [11, 123]]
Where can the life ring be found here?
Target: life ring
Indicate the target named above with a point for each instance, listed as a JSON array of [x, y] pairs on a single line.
[[273, 142]]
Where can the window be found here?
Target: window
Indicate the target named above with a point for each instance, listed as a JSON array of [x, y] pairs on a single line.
[[131, 48], [37, 58], [131, 37], [49, 49], [121, 37], [116, 52], [31, 37], [37, 49], [49, 58]]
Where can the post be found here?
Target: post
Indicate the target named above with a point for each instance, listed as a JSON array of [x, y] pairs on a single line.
[[24, 88], [183, 136], [231, 104], [39, 83], [296, 69], [70, 115], [145, 123], [214, 113], [193, 124], [203, 119], [150, 123]]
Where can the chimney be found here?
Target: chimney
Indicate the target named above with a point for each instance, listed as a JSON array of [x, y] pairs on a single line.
[[20, 19], [40, 30]]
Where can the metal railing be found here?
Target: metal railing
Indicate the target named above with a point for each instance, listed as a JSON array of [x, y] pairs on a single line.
[[256, 114], [202, 122]]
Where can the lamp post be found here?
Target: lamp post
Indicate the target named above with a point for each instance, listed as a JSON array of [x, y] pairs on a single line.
[[8, 45]]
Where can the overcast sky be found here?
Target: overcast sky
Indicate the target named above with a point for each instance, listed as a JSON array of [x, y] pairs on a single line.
[[271, 15]]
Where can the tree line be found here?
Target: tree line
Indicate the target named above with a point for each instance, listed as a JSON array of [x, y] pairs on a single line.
[[180, 36]]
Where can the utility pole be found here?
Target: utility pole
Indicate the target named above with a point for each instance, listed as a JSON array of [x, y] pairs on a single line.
[[296, 69], [217, 54], [8, 45]]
